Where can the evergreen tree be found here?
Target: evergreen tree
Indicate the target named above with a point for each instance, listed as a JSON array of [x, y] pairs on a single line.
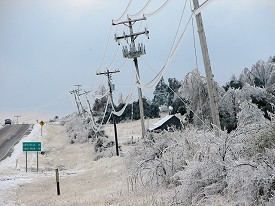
[[160, 93], [174, 86]]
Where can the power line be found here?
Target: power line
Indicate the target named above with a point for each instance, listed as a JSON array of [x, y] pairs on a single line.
[[125, 11], [158, 10], [143, 8]]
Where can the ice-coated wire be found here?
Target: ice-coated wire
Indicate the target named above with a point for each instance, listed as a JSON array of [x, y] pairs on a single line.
[[114, 57], [143, 8], [127, 8], [106, 48], [120, 112], [202, 6], [185, 103], [129, 97], [158, 10], [94, 126], [154, 82], [157, 78]]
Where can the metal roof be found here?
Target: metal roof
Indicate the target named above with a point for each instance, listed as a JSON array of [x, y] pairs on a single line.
[[160, 122]]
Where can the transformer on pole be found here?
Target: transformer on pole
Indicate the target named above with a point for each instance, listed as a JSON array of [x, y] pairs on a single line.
[[133, 52]]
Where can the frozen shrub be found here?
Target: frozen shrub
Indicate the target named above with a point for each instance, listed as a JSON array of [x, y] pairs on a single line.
[[197, 168]]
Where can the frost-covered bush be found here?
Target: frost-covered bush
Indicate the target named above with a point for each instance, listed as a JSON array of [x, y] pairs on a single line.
[[81, 130], [192, 167], [104, 148]]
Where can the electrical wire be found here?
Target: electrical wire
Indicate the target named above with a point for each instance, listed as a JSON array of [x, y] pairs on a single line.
[[156, 79], [129, 97], [123, 14], [194, 39], [143, 8], [185, 102], [106, 48], [114, 57], [202, 6], [158, 10], [154, 82]]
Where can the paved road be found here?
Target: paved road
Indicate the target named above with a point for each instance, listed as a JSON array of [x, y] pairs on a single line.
[[9, 136]]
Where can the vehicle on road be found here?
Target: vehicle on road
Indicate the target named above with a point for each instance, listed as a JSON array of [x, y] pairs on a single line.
[[7, 121]]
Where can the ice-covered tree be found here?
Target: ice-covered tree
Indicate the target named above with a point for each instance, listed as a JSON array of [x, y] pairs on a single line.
[[260, 74], [228, 110], [233, 83], [194, 91], [100, 99]]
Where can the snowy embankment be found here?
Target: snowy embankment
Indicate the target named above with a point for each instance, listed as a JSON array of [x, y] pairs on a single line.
[[83, 181]]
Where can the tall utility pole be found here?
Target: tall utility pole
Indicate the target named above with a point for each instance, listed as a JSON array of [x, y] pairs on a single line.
[[109, 75], [17, 118], [209, 75], [134, 53]]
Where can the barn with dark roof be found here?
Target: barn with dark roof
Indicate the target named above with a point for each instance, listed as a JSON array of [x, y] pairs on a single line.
[[165, 123]]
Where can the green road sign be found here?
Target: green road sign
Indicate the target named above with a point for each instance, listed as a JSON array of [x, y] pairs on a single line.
[[31, 146]]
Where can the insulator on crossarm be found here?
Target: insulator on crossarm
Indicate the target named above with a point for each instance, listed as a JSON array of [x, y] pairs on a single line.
[[146, 32]]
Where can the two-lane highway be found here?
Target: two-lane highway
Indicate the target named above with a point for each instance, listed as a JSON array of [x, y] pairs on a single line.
[[9, 136]]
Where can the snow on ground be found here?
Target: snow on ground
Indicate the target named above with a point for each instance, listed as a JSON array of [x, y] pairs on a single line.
[[82, 180]]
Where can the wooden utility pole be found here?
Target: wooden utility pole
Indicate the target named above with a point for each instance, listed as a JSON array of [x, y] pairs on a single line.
[[109, 75], [209, 76], [134, 53], [74, 92], [77, 92], [89, 104]]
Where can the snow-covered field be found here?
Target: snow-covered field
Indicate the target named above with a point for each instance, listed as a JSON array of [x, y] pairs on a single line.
[[82, 180], [185, 168]]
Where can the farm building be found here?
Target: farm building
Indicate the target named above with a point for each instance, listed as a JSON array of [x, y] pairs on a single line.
[[165, 123]]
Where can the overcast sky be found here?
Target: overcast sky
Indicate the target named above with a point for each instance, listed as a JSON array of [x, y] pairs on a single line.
[[48, 46]]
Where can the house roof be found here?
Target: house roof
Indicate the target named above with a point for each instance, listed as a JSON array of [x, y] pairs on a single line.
[[160, 122]]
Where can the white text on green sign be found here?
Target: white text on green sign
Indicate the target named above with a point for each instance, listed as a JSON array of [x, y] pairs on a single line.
[[31, 146]]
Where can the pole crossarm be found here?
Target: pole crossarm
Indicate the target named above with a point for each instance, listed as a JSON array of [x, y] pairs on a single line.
[[129, 21], [107, 73], [135, 35]]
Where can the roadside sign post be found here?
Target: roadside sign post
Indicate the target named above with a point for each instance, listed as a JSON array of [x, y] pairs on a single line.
[[42, 124], [31, 146], [26, 161], [57, 181]]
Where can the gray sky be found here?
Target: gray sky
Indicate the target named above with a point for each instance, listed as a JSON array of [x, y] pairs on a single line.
[[48, 46]]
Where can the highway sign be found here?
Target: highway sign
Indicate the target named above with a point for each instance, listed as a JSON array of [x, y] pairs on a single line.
[[31, 146]]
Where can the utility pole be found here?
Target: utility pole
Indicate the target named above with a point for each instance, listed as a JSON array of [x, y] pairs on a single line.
[[74, 92], [134, 53], [78, 97], [17, 118], [89, 104], [109, 75], [209, 75]]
